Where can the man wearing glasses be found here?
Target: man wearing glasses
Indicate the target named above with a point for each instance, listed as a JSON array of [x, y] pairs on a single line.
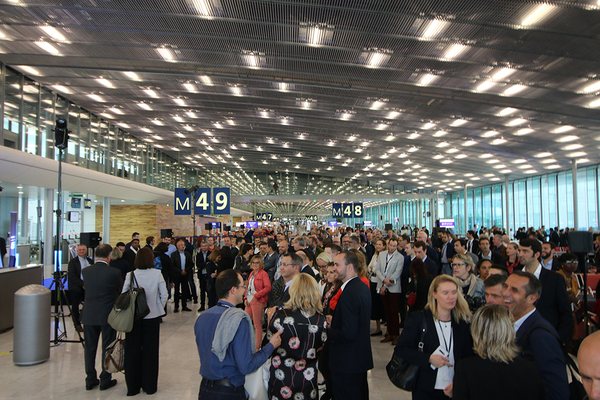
[[225, 342]]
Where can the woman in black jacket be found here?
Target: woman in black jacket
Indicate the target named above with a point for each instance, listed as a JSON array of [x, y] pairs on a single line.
[[494, 343], [447, 339], [163, 262], [212, 270]]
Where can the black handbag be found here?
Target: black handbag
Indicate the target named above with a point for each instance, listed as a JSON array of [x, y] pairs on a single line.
[[402, 373], [141, 305]]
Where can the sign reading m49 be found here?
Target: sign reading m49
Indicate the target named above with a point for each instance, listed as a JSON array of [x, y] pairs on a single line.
[[221, 197]]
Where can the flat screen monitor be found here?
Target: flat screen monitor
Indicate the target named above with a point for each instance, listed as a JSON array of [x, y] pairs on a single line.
[[333, 224], [368, 224], [216, 225], [447, 223], [388, 227], [252, 224], [73, 216], [240, 224]]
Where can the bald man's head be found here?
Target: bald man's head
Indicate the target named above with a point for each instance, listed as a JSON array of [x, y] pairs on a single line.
[[588, 358]]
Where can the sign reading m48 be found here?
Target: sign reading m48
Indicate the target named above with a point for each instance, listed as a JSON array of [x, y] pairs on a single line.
[[347, 210]]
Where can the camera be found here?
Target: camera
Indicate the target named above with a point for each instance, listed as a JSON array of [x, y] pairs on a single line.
[[474, 302]]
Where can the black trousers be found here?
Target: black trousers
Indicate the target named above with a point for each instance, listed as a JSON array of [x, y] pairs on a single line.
[[192, 283], [141, 356], [90, 344], [182, 290], [202, 284], [350, 386], [209, 391], [76, 297]]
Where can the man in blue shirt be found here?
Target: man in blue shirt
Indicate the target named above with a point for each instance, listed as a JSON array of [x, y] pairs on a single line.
[[226, 345]]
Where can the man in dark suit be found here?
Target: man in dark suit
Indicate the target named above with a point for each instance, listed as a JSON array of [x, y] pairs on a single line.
[[541, 345], [432, 254], [554, 236], [131, 251], [446, 253], [486, 253], [350, 354], [183, 266], [103, 284], [548, 260], [270, 259], [472, 242], [75, 279], [201, 260], [2, 252], [553, 303], [369, 247], [289, 267], [305, 267], [420, 251]]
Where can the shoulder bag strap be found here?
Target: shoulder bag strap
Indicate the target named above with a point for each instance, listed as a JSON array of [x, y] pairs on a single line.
[[423, 331], [132, 280]]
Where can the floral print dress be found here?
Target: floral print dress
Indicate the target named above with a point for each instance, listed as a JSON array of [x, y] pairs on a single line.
[[293, 369]]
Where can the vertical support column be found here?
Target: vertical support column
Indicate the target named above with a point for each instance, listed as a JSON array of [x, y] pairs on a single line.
[[390, 213], [2, 96], [106, 221], [48, 227], [506, 206], [401, 217], [419, 215], [465, 210], [432, 206], [575, 207], [378, 214]]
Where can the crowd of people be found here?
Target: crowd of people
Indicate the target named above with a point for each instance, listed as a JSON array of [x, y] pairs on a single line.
[[296, 306]]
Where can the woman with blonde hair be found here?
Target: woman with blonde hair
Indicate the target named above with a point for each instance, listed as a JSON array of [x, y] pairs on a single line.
[[514, 378], [377, 311], [257, 295], [447, 338], [293, 369]]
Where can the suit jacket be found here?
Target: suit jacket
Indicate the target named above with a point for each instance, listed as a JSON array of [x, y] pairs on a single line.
[[546, 352], [433, 255], [200, 261], [391, 269], [370, 249], [129, 255], [176, 260], [432, 268], [496, 258], [474, 246], [74, 274], [472, 380], [555, 238], [308, 270], [271, 263], [349, 334], [407, 347], [554, 304], [450, 251], [103, 285], [501, 252], [234, 251]]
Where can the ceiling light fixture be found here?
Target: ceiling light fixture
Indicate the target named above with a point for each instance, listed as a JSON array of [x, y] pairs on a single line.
[[454, 51], [190, 87], [524, 131], [165, 54], [131, 75], [568, 138], [435, 27], [563, 129], [539, 13], [503, 73], [506, 111], [95, 97], [151, 93], [485, 86], [53, 32], [514, 89], [47, 47], [517, 121], [427, 79]]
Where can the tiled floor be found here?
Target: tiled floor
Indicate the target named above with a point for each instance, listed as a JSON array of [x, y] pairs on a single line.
[[62, 376]]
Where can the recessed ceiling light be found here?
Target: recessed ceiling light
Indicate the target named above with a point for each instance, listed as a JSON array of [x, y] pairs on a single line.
[[428, 125], [490, 134], [484, 86], [486, 155], [461, 156], [95, 97], [568, 138], [530, 171], [427, 79], [165, 54], [572, 147], [104, 82], [434, 28], [438, 156], [440, 133], [459, 122], [499, 141], [519, 161], [131, 75], [447, 162], [552, 166], [116, 110], [452, 150], [583, 160], [594, 103], [442, 144], [514, 89], [594, 87], [469, 143], [61, 88], [517, 121], [524, 166], [577, 154], [563, 129], [505, 171], [377, 105], [503, 73], [47, 47], [53, 32], [543, 155], [539, 13], [454, 51], [413, 136], [547, 161], [524, 131], [29, 70], [144, 106], [493, 161], [506, 111], [392, 114]]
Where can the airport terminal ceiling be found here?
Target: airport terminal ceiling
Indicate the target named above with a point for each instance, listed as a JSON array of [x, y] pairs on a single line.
[[423, 95]]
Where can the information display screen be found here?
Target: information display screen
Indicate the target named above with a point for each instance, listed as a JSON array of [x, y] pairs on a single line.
[[447, 223], [252, 224], [333, 224]]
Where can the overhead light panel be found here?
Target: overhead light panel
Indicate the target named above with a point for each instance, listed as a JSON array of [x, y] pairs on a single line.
[[490, 134], [202, 7], [377, 59], [577, 154], [563, 129], [144, 106], [485, 86], [469, 143], [568, 138], [454, 51], [539, 13], [177, 118], [377, 105], [166, 54], [47, 47], [104, 82], [150, 93], [95, 97], [594, 104], [53, 32], [392, 114], [428, 125], [524, 131], [190, 87], [517, 121], [427, 79], [29, 70], [131, 75], [506, 111], [514, 89], [503, 73], [116, 110], [206, 80], [542, 155], [594, 87], [459, 122], [440, 133], [498, 141], [434, 28], [179, 101], [236, 90], [572, 147]]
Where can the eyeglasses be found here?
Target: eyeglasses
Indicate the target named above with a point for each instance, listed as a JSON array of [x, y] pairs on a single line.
[[285, 265], [571, 262], [458, 265], [242, 286], [255, 262]]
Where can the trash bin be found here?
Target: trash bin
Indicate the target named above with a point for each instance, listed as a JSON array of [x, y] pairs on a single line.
[[31, 341]]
